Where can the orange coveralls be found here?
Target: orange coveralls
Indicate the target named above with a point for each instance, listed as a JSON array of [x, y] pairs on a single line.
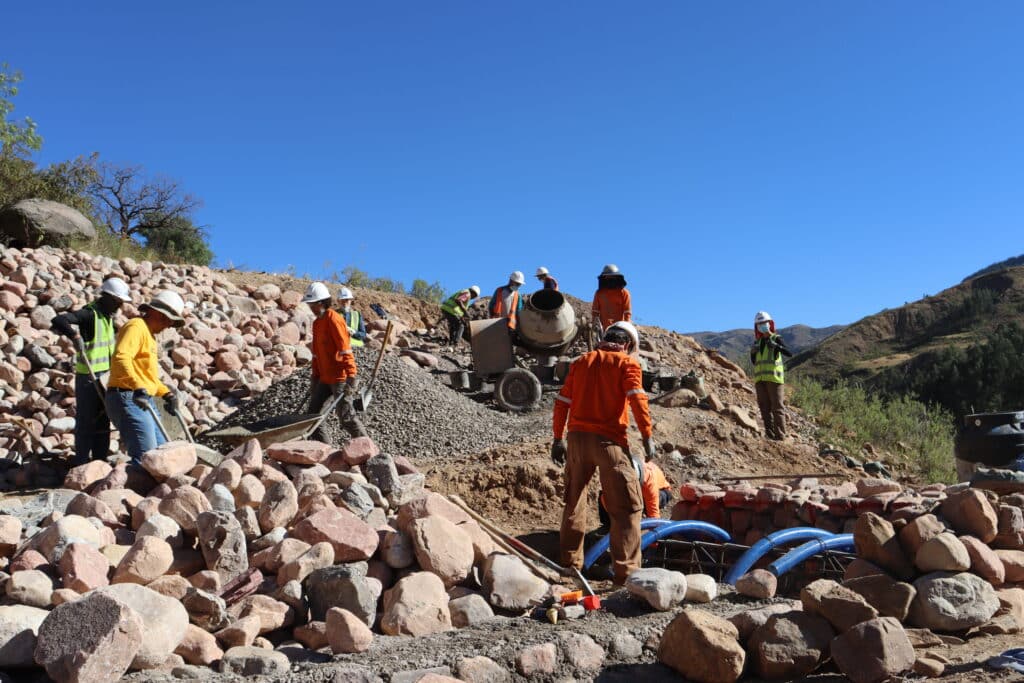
[[611, 306], [594, 400]]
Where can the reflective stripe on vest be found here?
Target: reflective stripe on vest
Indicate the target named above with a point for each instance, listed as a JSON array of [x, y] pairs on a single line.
[[100, 348], [353, 326], [498, 307], [768, 365], [453, 306]]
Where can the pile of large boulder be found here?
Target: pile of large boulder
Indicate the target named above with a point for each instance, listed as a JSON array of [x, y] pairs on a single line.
[[235, 343], [751, 512], [174, 563], [952, 571]]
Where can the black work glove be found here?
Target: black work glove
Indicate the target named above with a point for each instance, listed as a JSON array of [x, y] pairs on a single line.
[[558, 451], [171, 403], [141, 398]]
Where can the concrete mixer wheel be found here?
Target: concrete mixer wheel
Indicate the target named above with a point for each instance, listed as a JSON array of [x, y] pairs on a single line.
[[517, 390]]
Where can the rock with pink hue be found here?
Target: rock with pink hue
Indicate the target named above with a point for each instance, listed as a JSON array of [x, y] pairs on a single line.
[[316, 557], [288, 334], [241, 632], [537, 660], [198, 647], [164, 621], [85, 505], [918, 531], [273, 614], [10, 534], [430, 504], [416, 606], [1013, 564], [149, 559], [279, 506], [91, 640], [83, 567], [300, 452], [443, 548], [249, 456], [171, 585], [873, 651], [184, 505], [65, 530], [82, 477], [760, 584], [169, 459], [970, 513], [352, 538], [249, 492], [346, 633], [702, 647], [358, 450]]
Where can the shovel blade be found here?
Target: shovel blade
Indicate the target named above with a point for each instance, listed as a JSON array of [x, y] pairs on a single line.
[[363, 400]]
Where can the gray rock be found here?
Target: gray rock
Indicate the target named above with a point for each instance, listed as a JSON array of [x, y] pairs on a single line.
[[254, 661], [510, 585], [626, 646], [41, 316], [469, 610], [19, 625], [34, 222], [357, 500], [220, 498], [39, 357], [380, 471], [345, 586], [95, 638], [952, 602], [206, 610], [663, 589], [223, 544]]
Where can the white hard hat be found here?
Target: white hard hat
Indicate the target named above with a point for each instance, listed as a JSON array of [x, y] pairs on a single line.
[[609, 269], [629, 328], [475, 291], [316, 292], [117, 288], [345, 294], [517, 277], [170, 304], [542, 271], [762, 317]]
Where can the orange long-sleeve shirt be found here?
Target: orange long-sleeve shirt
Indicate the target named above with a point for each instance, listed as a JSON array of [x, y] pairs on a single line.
[[595, 396], [654, 482], [333, 361], [611, 306]]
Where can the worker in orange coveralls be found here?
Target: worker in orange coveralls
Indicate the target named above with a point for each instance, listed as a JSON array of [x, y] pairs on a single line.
[[594, 399], [612, 301], [656, 490], [334, 365]]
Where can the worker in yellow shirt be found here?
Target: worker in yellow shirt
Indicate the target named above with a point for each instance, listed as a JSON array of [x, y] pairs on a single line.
[[135, 375]]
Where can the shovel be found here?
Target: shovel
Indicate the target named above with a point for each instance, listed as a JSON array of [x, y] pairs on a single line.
[[365, 396]]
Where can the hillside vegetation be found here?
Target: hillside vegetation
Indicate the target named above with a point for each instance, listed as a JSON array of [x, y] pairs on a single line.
[[960, 348]]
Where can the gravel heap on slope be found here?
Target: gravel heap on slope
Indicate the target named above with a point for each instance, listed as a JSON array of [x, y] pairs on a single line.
[[413, 413]]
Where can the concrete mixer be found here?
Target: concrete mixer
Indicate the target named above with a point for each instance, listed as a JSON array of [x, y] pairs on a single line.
[[546, 329]]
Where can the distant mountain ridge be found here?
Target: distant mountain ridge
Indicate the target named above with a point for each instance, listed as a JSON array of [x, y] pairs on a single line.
[[735, 344]]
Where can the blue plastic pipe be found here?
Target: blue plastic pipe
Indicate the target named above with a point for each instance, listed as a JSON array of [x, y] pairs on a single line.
[[662, 528], [809, 549], [768, 543]]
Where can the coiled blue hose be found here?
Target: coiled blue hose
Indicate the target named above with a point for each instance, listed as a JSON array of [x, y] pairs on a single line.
[[809, 549], [662, 529], [769, 542]]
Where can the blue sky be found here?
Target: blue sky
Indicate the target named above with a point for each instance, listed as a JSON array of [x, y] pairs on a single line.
[[822, 160]]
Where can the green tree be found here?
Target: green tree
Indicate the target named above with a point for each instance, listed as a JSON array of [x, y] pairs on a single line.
[[421, 289], [17, 138], [177, 239]]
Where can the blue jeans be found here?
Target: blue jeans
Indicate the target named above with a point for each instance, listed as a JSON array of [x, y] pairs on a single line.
[[139, 431], [92, 426]]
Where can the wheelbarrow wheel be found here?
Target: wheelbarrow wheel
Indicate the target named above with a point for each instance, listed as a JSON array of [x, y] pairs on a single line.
[[518, 390]]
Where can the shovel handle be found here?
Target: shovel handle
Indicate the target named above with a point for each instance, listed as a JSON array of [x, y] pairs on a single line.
[[156, 418]]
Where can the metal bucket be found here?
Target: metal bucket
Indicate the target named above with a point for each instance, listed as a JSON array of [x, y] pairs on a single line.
[[649, 378]]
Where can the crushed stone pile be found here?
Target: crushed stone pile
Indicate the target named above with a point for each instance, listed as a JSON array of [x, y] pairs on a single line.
[[413, 412]]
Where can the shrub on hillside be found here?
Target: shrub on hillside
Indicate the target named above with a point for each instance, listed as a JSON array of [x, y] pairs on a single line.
[[848, 416]]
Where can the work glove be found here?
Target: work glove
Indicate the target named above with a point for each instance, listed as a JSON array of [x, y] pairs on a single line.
[[558, 451], [649, 449], [351, 388], [171, 403], [141, 398]]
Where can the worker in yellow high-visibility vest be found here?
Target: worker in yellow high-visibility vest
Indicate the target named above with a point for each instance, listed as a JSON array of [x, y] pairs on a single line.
[[769, 374]]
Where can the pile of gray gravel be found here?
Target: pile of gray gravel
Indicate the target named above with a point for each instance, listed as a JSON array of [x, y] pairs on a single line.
[[414, 413]]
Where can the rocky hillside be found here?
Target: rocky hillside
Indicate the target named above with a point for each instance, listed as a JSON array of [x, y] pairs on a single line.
[[958, 317], [1011, 262], [734, 344]]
